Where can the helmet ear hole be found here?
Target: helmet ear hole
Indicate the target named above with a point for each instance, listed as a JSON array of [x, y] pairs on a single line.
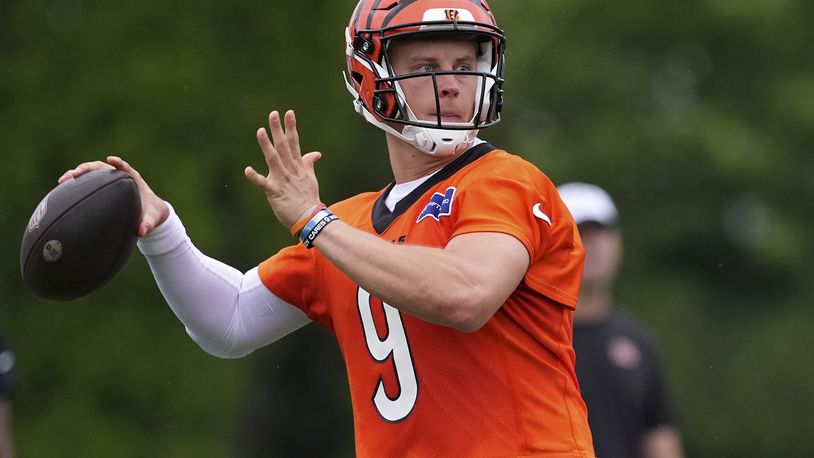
[[363, 45], [385, 104], [379, 104]]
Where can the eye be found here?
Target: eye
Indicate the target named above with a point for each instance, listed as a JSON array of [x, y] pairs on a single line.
[[424, 68], [463, 68]]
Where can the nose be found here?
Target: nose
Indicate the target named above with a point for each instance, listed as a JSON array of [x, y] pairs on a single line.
[[448, 86]]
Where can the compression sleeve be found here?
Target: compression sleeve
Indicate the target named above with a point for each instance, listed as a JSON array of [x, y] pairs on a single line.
[[228, 313]]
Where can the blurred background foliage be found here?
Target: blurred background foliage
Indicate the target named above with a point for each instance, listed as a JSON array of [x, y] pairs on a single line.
[[697, 116]]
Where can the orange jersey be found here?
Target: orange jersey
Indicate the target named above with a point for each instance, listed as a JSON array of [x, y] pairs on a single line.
[[421, 389]]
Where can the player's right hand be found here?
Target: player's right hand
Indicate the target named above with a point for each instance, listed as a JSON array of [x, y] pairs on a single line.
[[154, 210], [291, 185]]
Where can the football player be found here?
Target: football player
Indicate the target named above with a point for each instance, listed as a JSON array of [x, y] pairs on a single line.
[[450, 292]]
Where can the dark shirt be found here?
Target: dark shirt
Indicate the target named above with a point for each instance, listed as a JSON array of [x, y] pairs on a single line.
[[6, 370], [621, 378]]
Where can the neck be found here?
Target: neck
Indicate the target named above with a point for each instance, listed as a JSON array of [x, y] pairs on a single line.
[[409, 163], [594, 305]]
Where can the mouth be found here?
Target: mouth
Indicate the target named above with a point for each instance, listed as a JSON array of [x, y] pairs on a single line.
[[447, 117]]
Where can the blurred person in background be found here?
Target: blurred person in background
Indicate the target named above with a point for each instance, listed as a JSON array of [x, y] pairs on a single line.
[[6, 392], [450, 291], [619, 365]]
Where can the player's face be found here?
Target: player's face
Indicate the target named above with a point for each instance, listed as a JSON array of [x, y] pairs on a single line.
[[603, 247], [456, 93]]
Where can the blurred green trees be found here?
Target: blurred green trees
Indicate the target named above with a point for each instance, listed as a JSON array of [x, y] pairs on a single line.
[[697, 116]]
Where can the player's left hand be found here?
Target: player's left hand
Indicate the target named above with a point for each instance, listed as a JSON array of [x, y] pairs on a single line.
[[291, 185]]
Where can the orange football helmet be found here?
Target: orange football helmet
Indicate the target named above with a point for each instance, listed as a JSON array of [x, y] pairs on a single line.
[[377, 91]]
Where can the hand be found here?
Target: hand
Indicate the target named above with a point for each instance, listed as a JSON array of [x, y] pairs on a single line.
[[154, 210], [291, 185]]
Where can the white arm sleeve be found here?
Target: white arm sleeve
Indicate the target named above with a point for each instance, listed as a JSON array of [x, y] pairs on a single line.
[[227, 313]]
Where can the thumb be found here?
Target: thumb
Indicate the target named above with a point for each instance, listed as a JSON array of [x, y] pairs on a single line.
[[254, 177], [144, 228], [311, 158], [147, 224]]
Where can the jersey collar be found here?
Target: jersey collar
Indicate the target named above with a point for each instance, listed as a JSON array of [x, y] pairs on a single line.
[[382, 218]]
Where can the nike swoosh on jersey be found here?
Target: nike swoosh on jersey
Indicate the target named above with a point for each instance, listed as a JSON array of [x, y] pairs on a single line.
[[539, 213]]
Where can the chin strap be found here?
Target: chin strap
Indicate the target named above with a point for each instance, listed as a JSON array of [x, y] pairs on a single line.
[[439, 142]]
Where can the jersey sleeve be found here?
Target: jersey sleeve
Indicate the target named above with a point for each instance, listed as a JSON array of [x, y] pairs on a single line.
[[293, 275], [522, 202], [497, 204]]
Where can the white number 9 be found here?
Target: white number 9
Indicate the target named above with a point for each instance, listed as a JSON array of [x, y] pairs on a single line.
[[394, 345]]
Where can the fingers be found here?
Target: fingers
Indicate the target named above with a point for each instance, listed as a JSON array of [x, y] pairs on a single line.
[[113, 162], [286, 139], [270, 153], [282, 149], [82, 169], [278, 134], [292, 135], [120, 164]]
